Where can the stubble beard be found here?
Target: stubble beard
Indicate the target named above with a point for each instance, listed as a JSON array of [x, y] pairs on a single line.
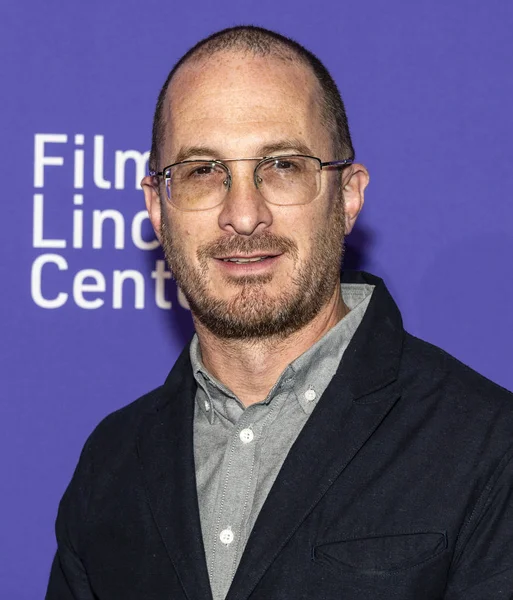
[[252, 313]]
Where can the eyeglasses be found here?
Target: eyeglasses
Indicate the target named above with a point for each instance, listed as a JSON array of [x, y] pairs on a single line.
[[283, 180]]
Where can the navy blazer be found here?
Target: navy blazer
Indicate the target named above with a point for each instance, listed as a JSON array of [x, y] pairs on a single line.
[[400, 486]]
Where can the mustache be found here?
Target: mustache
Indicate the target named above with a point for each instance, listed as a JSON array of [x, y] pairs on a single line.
[[263, 242]]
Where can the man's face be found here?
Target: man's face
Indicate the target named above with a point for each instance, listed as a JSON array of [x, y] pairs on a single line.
[[235, 105]]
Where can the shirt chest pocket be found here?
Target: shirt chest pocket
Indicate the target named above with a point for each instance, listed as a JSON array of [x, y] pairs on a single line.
[[381, 554]]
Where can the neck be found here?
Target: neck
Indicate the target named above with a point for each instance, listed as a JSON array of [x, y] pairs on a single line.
[[250, 368]]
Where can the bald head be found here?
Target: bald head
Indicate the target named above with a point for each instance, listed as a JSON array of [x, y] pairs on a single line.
[[256, 41]]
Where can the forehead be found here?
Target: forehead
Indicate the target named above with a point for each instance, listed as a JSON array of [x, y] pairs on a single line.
[[237, 101]]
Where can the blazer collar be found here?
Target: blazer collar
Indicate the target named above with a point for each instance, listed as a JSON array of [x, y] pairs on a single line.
[[373, 357], [166, 452]]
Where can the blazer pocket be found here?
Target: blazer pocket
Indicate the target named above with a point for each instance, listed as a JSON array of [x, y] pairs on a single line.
[[381, 554]]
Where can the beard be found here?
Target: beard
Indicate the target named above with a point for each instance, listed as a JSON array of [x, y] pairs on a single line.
[[253, 313]]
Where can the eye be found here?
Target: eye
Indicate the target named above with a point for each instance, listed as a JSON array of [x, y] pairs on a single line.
[[203, 170], [199, 172], [284, 165]]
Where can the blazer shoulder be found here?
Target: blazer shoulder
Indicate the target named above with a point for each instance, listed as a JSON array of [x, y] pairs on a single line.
[[438, 359], [124, 422], [114, 439], [122, 425], [435, 369], [129, 416]]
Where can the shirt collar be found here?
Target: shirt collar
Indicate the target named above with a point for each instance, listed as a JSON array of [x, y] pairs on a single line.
[[308, 375]]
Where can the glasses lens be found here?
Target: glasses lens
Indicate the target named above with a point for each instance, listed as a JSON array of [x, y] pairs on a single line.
[[289, 179], [196, 184]]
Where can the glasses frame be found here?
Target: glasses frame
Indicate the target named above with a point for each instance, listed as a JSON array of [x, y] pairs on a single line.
[[332, 164]]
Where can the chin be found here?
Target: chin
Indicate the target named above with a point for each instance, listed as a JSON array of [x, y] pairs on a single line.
[[254, 312]]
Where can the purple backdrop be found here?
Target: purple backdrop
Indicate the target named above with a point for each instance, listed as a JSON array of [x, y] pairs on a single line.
[[86, 324]]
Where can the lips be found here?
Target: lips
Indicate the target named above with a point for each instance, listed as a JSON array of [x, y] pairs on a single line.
[[246, 259], [247, 252]]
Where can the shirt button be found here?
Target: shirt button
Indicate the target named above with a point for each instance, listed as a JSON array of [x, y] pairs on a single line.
[[310, 395], [226, 536], [246, 436]]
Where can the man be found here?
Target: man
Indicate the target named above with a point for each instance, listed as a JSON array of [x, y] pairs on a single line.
[[303, 445]]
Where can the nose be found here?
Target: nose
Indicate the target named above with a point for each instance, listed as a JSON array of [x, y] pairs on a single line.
[[244, 211]]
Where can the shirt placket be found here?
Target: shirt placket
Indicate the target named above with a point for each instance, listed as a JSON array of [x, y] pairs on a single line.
[[236, 494]]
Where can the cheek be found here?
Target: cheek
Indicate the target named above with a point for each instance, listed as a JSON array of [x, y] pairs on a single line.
[[324, 232], [309, 226], [189, 234], [182, 231]]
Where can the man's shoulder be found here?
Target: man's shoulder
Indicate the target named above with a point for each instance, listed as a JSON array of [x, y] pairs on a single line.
[[441, 375], [122, 425]]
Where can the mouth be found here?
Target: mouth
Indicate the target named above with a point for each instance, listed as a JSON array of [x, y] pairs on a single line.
[[242, 260], [256, 264]]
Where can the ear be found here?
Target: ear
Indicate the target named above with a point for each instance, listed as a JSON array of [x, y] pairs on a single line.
[[354, 182], [150, 188]]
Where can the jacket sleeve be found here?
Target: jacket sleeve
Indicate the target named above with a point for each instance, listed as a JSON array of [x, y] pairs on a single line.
[[68, 577], [483, 561]]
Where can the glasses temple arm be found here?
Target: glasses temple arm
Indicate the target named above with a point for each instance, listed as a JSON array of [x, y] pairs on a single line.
[[337, 163]]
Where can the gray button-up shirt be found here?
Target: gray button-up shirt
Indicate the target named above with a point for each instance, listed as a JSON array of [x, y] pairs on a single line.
[[239, 451]]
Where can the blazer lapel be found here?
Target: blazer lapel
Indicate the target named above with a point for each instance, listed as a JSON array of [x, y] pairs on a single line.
[[165, 447], [358, 398]]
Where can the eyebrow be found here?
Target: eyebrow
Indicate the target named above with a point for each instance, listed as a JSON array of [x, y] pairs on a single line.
[[284, 145], [186, 152]]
